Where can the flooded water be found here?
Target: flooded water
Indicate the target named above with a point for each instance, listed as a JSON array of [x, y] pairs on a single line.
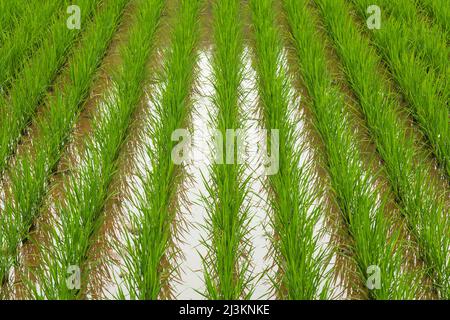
[[258, 196], [191, 285]]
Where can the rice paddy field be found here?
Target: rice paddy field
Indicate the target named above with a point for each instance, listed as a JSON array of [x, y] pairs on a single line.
[[224, 149]]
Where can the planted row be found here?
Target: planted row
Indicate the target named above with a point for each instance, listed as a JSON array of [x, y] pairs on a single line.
[[425, 93], [422, 207], [150, 254], [426, 39], [300, 261], [85, 191], [16, 49], [32, 82], [29, 176], [439, 10], [226, 266], [373, 243], [11, 16]]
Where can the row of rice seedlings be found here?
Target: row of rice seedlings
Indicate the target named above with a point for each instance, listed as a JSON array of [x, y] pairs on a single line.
[[29, 175], [422, 207], [150, 255], [300, 261], [376, 244], [25, 38], [425, 93], [86, 190], [226, 270], [426, 39], [439, 10], [107, 248], [32, 82]]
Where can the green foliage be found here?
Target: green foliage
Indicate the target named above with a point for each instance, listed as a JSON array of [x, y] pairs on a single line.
[[427, 95], [149, 253], [361, 202], [36, 76], [301, 262], [226, 266], [422, 207], [19, 46], [439, 10], [31, 173]]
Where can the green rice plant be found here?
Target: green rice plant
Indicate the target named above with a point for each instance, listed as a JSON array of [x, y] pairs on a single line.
[[424, 92], [86, 190], [300, 261], [439, 10], [149, 250], [11, 16], [226, 266], [422, 207], [16, 49], [428, 40], [374, 240], [29, 176], [8, 18], [32, 82]]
